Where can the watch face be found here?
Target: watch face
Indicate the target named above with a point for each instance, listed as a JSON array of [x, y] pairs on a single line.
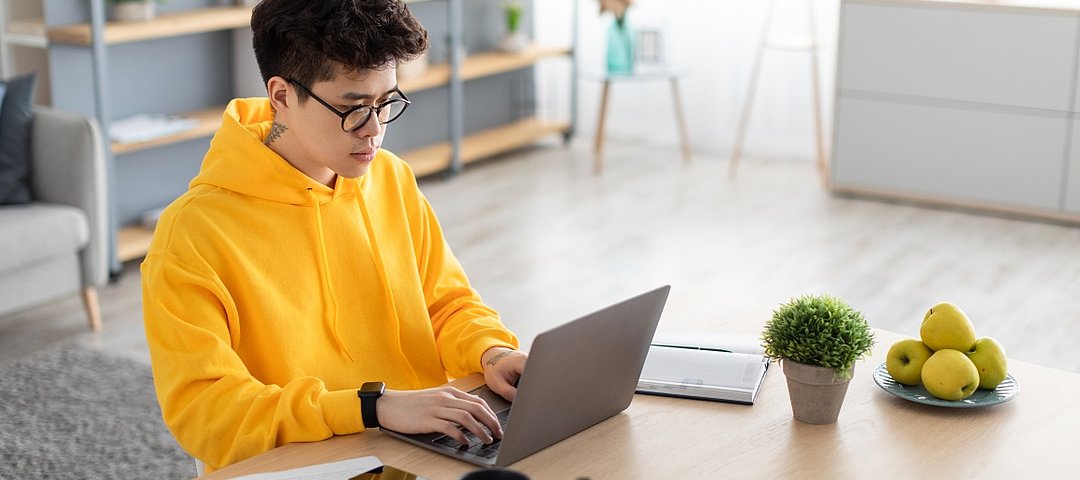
[[372, 387]]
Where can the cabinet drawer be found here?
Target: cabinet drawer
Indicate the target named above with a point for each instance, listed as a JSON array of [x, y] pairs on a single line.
[[1000, 159], [1013, 57]]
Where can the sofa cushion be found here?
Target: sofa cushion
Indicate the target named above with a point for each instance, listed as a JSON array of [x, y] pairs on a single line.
[[15, 118], [31, 233]]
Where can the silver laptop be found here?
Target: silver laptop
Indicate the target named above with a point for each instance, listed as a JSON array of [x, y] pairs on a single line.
[[578, 374]]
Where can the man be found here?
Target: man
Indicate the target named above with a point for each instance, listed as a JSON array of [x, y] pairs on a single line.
[[304, 263]]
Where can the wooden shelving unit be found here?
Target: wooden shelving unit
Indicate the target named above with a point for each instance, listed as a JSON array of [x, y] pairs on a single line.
[[133, 241]]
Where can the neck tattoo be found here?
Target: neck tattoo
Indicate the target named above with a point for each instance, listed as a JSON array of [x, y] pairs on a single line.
[[276, 129]]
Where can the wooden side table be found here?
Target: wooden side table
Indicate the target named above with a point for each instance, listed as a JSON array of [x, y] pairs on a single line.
[[607, 80]]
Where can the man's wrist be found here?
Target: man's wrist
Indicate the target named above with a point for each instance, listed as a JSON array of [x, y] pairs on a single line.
[[493, 355]]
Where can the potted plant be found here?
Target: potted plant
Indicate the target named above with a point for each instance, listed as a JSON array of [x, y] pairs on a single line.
[[133, 10], [514, 40], [817, 339]]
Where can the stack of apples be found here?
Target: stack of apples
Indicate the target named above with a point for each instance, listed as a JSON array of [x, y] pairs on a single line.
[[949, 361]]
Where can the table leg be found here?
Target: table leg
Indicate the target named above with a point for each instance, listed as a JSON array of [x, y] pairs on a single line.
[[598, 158]]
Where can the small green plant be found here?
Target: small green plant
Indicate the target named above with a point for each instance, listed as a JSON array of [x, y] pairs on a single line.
[[514, 11], [823, 331]]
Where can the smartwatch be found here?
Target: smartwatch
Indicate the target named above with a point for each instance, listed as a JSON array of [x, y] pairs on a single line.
[[370, 392]]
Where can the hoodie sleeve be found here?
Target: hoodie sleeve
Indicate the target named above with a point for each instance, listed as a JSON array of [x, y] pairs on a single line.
[[215, 408], [464, 326]]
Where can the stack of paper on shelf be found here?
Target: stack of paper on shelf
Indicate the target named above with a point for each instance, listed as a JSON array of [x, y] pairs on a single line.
[[144, 127]]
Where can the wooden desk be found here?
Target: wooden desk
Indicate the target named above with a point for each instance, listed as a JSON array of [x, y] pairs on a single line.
[[876, 436]]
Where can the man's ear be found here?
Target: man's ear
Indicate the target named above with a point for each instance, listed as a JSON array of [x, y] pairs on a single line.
[[278, 91]]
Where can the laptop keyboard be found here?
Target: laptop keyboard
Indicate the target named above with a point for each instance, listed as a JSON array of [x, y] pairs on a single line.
[[475, 445]]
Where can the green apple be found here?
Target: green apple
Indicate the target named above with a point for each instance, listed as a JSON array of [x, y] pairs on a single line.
[[989, 358], [905, 361], [949, 375], [946, 326]]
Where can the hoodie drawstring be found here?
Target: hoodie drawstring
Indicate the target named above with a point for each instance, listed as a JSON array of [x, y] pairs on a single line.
[[328, 286], [380, 268]]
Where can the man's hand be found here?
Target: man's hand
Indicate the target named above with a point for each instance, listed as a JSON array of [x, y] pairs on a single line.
[[438, 410], [502, 368]]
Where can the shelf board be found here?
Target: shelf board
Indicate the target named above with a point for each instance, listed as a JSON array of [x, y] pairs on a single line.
[[480, 65], [209, 122], [493, 63], [428, 160], [133, 242], [480, 145], [434, 76], [504, 138], [164, 25]]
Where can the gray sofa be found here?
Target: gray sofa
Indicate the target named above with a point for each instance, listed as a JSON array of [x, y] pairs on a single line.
[[57, 245]]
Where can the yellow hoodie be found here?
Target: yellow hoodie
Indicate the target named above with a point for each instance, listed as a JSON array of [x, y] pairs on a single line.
[[269, 298]]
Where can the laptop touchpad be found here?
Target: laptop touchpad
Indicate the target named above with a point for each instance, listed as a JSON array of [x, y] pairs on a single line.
[[494, 400]]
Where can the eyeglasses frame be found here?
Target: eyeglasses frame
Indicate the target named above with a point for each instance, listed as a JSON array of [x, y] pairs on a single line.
[[376, 109]]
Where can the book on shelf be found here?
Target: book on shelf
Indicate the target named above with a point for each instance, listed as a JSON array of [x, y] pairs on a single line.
[[718, 367]]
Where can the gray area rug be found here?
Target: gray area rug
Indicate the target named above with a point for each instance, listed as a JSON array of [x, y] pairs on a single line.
[[75, 412]]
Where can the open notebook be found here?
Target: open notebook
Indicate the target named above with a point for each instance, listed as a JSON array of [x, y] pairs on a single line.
[[727, 368]]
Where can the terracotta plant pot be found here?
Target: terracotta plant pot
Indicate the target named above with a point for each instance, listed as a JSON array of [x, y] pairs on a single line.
[[816, 394]]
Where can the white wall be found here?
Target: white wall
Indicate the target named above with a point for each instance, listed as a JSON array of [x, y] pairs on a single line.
[[714, 43]]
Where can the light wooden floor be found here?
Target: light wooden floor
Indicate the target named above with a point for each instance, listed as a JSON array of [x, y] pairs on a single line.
[[544, 241]]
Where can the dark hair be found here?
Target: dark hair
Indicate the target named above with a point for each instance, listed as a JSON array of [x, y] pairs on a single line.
[[307, 40]]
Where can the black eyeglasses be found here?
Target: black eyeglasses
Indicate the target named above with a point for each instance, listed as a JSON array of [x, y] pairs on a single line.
[[356, 117]]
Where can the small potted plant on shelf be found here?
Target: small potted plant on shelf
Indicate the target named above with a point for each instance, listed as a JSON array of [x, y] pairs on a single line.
[[514, 40], [133, 10], [817, 339]]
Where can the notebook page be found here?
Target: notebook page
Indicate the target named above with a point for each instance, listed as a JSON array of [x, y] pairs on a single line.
[[737, 371]]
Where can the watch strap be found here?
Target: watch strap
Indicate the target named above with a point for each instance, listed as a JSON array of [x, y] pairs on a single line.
[[369, 394]]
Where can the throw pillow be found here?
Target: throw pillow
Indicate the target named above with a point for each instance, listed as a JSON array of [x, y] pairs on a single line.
[[15, 118]]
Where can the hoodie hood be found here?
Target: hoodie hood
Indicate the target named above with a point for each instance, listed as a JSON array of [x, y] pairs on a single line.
[[261, 173]]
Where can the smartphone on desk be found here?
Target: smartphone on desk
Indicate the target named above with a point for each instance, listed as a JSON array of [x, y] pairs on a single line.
[[386, 472]]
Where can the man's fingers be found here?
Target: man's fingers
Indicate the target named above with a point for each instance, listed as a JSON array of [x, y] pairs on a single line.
[[470, 423], [479, 413], [508, 392], [451, 430], [480, 410]]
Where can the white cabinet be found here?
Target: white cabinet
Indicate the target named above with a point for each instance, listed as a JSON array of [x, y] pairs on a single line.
[[1005, 58], [949, 153], [962, 103]]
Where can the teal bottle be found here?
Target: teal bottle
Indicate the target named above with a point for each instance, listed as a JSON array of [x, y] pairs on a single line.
[[620, 48]]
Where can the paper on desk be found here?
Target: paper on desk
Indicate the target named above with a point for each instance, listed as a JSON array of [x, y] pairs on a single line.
[[342, 470], [145, 127]]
